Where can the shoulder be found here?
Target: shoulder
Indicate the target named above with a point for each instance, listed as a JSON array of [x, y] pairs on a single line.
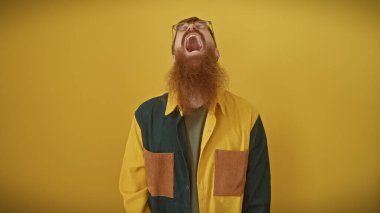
[[233, 100], [237, 105], [151, 106]]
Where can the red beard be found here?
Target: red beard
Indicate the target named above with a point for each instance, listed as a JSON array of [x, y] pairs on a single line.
[[201, 77]]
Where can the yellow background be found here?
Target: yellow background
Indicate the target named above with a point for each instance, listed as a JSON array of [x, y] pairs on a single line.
[[72, 73]]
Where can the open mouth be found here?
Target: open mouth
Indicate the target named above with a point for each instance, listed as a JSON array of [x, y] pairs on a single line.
[[193, 43]]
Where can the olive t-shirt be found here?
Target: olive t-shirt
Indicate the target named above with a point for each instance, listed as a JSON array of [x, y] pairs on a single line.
[[194, 123]]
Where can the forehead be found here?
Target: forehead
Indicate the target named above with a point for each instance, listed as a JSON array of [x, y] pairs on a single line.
[[190, 20], [186, 23]]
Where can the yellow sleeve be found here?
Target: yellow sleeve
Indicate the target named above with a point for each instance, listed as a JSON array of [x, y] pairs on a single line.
[[132, 183]]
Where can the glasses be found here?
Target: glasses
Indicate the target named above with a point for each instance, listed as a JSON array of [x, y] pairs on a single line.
[[181, 27]]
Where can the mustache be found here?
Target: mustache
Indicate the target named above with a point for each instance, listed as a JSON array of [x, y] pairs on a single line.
[[192, 31]]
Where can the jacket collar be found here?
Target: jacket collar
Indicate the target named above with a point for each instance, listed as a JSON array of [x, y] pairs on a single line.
[[172, 104]]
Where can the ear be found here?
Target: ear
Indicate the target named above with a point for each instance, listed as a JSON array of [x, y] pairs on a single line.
[[173, 59], [217, 54]]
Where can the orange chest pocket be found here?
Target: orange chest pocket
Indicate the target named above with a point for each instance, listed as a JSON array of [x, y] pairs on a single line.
[[159, 169], [230, 172]]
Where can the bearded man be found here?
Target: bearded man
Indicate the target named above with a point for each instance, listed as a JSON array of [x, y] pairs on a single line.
[[198, 147]]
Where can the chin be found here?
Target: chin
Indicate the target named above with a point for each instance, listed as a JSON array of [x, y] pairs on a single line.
[[196, 53]]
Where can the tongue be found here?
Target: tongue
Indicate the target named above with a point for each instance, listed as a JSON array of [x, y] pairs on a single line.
[[192, 44]]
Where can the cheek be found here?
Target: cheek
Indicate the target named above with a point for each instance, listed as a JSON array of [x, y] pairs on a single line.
[[210, 40], [178, 41]]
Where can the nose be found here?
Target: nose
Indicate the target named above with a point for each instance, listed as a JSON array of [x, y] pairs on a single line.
[[191, 27]]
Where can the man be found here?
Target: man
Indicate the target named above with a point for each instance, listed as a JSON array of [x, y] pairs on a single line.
[[197, 148]]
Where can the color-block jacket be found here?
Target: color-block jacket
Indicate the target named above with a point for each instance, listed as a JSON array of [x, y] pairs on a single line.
[[233, 168]]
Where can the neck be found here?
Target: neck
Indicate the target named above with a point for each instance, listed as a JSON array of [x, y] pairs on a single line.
[[196, 101]]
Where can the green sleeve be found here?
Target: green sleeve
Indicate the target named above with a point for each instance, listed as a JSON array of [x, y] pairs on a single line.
[[257, 192]]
